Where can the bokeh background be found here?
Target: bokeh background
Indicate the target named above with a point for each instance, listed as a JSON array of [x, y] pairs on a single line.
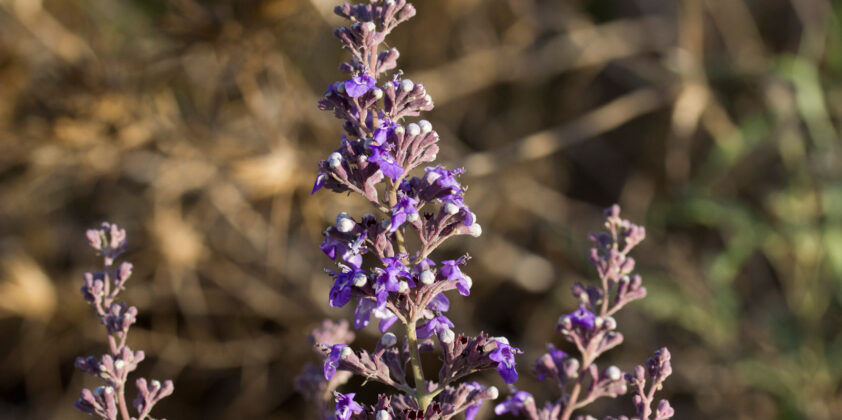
[[194, 124]]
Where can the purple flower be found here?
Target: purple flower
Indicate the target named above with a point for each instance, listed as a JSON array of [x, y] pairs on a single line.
[[320, 182], [345, 405], [332, 361], [556, 356], [385, 161], [388, 280], [383, 133], [363, 314], [514, 404], [404, 210], [439, 303], [472, 411], [583, 318], [453, 204], [340, 293], [339, 244], [434, 326], [450, 271], [444, 179], [358, 85], [504, 355]]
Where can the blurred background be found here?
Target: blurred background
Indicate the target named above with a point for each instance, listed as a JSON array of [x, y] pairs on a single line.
[[194, 125]]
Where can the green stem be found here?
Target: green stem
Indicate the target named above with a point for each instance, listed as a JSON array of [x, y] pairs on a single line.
[[421, 395]]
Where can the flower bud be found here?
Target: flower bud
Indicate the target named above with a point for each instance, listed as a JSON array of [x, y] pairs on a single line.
[[345, 223], [427, 277], [399, 130], [407, 85], [493, 392], [334, 160], [412, 217], [413, 129], [360, 279], [446, 335], [475, 230], [451, 208], [378, 93], [613, 373], [403, 287], [382, 414], [346, 353], [388, 340], [610, 323], [425, 125], [369, 27]]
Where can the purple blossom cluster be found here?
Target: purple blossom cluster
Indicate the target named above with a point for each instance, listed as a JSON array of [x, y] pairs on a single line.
[[380, 157], [101, 290], [592, 328]]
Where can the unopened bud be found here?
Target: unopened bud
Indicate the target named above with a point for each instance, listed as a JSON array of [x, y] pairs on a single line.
[[428, 99], [598, 322], [493, 392], [399, 130], [613, 373], [362, 159], [378, 93], [610, 323], [388, 340], [345, 223], [382, 414], [427, 277], [369, 26], [407, 85], [447, 335], [425, 125], [360, 279], [475, 230], [346, 353], [119, 364], [403, 287], [469, 281], [413, 129], [334, 160], [412, 217], [451, 208]]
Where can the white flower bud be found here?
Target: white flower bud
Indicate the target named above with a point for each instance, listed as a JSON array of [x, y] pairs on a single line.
[[610, 323], [109, 390], [469, 281], [362, 159], [156, 384], [388, 340], [428, 99], [360, 279], [598, 322], [345, 223], [346, 353], [493, 392], [447, 336], [382, 414], [334, 160], [119, 364], [613, 373], [451, 208], [425, 125], [369, 26], [389, 3], [403, 287], [399, 130], [412, 217], [501, 339], [407, 85], [378, 93], [413, 129], [427, 277], [475, 230]]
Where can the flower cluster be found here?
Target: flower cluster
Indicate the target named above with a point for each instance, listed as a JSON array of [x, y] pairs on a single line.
[[380, 157], [592, 329], [100, 291]]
